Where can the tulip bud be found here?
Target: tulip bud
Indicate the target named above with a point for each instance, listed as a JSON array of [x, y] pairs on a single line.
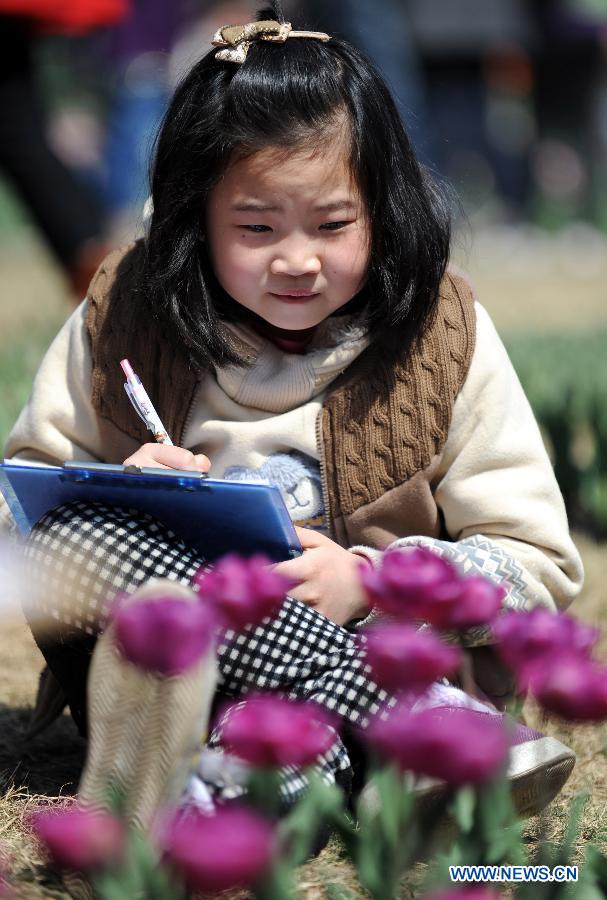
[[478, 604], [80, 839], [525, 640], [233, 847], [166, 635], [458, 745], [243, 591], [407, 581], [420, 585], [403, 658], [271, 731], [571, 686]]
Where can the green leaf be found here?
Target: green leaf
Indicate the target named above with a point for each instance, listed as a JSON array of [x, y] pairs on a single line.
[[108, 887], [339, 892], [322, 804], [164, 884], [593, 874], [565, 379], [384, 806], [584, 891], [277, 884], [596, 862], [506, 845], [116, 885], [463, 807], [565, 850], [116, 798], [368, 864]]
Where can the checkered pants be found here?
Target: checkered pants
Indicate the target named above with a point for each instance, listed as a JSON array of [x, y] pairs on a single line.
[[82, 554]]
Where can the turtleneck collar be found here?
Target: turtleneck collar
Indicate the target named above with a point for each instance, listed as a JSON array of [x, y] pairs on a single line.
[[277, 380]]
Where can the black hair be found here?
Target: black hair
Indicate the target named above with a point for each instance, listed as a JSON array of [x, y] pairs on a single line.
[[285, 95]]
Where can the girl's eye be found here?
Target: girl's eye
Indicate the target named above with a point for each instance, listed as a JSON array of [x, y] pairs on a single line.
[[257, 229], [333, 226]]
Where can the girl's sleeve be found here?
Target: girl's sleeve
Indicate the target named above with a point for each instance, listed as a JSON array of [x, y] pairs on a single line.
[[58, 422], [500, 502]]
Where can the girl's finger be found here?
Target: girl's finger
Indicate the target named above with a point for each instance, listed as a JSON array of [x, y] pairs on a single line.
[[309, 538], [203, 463], [295, 569], [167, 456]]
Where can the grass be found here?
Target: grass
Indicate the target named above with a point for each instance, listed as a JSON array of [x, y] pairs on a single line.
[[46, 770], [34, 305], [19, 359]]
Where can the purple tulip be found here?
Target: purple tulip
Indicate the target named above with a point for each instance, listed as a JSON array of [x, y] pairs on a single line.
[[166, 635], [271, 731], [421, 585], [80, 839], [244, 591], [457, 745], [407, 581], [571, 686], [528, 639], [405, 659], [479, 603], [231, 848]]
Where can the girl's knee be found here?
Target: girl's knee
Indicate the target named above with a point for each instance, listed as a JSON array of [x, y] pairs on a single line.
[[79, 516], [82, 554]]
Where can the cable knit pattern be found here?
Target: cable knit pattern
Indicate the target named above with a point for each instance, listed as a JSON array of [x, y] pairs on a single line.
[[120, 325], [380, 423], [403, 426]]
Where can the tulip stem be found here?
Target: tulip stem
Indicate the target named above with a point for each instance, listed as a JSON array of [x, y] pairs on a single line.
[[381, 851], [264, 791], [140, 875], [277, 883]]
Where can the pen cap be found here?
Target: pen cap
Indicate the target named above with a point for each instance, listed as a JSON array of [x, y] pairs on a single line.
[[127, 368]]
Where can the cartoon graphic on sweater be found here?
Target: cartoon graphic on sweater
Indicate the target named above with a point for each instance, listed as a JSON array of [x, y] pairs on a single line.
[[298, 477]]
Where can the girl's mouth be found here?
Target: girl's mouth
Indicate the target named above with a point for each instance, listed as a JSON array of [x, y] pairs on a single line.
[[295, 296]]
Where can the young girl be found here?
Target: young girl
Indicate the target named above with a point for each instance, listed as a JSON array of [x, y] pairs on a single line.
[[292, 317]]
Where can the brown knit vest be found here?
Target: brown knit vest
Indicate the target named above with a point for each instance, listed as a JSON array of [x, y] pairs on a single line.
[[373, 439]]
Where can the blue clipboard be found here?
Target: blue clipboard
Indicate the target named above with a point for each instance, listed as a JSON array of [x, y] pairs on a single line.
[[215, 517]]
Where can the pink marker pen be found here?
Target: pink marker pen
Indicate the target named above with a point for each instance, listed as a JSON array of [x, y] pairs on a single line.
[[142, 404]]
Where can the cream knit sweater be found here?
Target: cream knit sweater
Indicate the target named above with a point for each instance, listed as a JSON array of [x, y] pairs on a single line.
[[495, 488]]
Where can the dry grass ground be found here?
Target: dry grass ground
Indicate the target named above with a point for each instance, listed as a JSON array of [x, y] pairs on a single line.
[[556, 291]]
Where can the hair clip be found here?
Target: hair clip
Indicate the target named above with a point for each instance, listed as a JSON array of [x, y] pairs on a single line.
[[236, 39]]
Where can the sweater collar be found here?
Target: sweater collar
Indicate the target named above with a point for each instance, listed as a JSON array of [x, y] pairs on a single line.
[[277, 381]]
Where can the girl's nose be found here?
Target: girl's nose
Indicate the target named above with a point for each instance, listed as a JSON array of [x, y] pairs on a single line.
[[296, 258]]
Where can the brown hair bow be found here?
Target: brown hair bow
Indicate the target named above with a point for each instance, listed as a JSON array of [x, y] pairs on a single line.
[[236, 39]]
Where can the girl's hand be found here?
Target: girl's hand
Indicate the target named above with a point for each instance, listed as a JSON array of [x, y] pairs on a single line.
[[328, 578], [165, 456]]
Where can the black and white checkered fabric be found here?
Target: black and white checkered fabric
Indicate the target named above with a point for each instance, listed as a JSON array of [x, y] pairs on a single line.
[[82, 555]]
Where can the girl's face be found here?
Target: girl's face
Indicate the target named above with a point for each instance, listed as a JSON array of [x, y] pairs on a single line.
[[288, 237]]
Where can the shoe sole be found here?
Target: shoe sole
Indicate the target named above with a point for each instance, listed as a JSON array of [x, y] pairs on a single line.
[[144, 729], [537, 771]]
